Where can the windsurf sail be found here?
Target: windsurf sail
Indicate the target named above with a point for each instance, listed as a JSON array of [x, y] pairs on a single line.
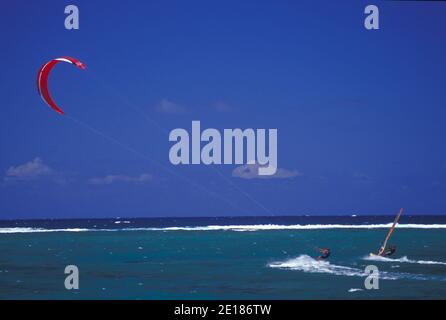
[[384, 245]]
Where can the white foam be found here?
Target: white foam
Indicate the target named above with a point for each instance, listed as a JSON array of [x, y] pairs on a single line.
[[265, 227], [306, 263], [404, 260], [241, 228], [31, 230]]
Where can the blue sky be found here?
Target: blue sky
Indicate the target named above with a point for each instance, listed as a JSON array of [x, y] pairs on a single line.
[[360, 114]]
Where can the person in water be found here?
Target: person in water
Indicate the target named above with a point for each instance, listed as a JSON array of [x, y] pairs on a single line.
[[387, 252], [325, 253]]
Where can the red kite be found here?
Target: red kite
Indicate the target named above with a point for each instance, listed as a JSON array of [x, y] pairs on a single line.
[[42, 79]]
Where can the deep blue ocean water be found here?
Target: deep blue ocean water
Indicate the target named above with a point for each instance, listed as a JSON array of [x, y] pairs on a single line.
[[222, 258]]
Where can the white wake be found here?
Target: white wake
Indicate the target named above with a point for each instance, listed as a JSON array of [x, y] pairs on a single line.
[[403, 260], [305, 263]]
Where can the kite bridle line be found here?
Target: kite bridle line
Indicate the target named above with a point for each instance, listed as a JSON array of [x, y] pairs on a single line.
[[163, 130], [146, 157]]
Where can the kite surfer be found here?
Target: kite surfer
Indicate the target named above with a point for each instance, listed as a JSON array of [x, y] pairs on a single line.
[[325, 253]]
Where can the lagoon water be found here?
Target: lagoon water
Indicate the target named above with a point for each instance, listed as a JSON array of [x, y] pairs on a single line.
[[222, 258]]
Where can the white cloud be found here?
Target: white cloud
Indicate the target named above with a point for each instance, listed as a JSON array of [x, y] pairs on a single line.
[[109, 179], [251, 171], [31, 170], [167, 106]]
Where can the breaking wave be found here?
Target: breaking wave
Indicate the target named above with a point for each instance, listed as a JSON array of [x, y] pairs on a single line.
[[32, 230], [241, 228], [262, 227]]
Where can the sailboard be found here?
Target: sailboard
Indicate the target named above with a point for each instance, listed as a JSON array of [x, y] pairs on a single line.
[[384, 245]]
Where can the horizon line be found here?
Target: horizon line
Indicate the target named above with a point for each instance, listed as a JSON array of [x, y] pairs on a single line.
[[218, 217]]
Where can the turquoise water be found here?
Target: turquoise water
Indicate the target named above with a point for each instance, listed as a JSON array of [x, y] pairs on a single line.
[[221, 264]]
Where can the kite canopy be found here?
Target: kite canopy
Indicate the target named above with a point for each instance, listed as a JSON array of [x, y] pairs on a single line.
[[42, 79]]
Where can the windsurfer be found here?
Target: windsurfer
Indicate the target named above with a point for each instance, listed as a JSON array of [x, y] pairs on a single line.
[[387, 252]]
